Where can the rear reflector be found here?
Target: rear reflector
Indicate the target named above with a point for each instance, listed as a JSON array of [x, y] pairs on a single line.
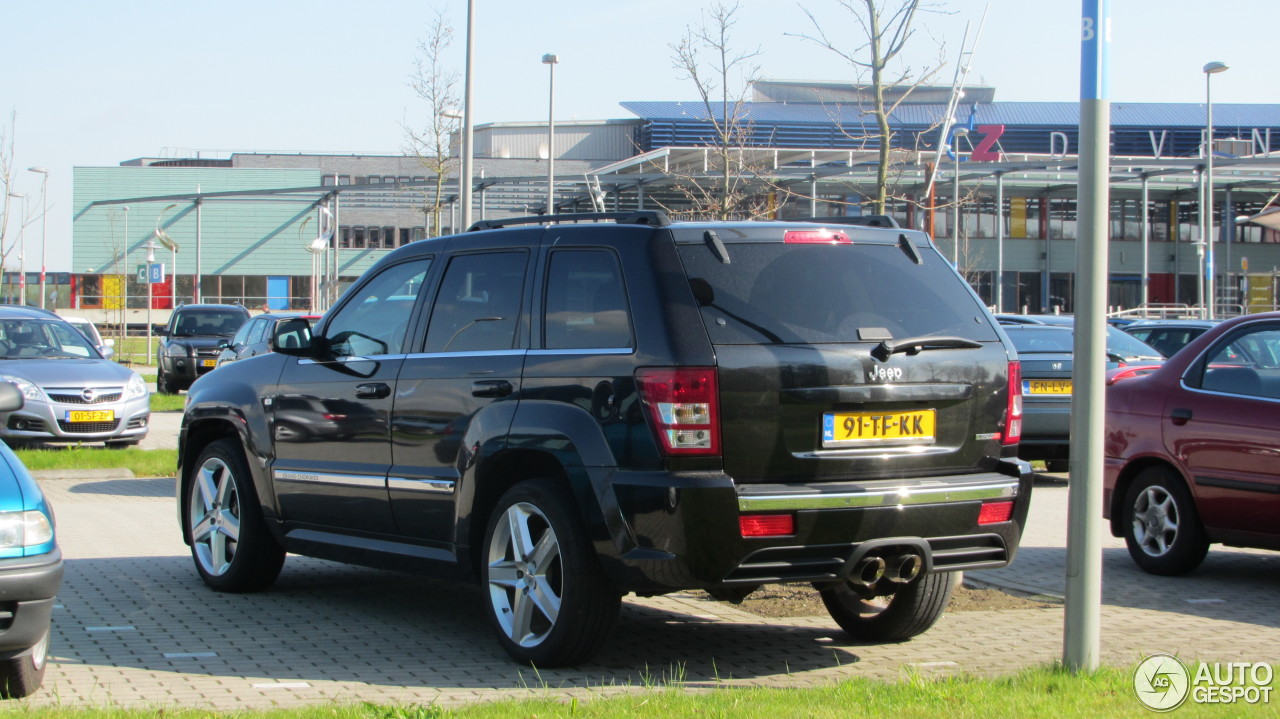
[[995, 512], [1013, 412], [767, 525], [684, 407], [816, 237]]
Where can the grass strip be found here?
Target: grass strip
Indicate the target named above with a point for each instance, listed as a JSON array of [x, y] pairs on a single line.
[[1051, 693], [167, 402], [142, 462]]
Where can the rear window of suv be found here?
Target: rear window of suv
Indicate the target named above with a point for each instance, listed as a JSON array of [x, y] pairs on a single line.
[[775, 293]]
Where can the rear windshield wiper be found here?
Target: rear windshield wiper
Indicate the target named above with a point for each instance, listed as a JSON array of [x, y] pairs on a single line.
[[916, 345]]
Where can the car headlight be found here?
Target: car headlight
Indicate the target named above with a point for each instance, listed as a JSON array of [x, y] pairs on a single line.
[[24, 529], [177, 349], [28, 389], [136, 387]]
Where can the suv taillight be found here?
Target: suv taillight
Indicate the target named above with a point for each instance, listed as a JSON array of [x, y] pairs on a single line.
[[684, 407], [1013, 413]]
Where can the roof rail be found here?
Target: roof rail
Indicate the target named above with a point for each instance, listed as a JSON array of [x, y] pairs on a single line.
[[864, 220], [655, 218]]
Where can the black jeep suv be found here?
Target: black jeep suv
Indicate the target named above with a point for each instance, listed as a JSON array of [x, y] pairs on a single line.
[[567, 409], [191, 342]]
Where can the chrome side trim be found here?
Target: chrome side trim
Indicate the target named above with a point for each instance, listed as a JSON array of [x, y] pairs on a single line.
[[426, 486], [584, 351], [351, 480], [353, 358], [479, 353], [887, 497]]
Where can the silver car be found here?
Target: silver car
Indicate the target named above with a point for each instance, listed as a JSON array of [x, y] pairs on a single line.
[[72, 393]]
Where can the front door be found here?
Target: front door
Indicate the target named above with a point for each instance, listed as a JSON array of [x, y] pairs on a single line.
[[468, 371], [331, 416]]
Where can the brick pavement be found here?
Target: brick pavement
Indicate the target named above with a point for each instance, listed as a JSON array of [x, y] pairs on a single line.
[[135, 626]]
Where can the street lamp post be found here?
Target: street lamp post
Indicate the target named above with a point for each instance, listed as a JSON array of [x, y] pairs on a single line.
[[124, 280], [164, 239], [22, 249], [550, 61], [1206, 208], [956, 134], [151, 258], [44, 210]]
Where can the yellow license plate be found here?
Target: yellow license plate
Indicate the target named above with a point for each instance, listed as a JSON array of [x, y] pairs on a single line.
[[840, 429], [102, 415], [208, 362], [1047, 386]]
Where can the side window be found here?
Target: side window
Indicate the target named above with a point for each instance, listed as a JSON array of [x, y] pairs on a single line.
[[586, 302], [478, 306], [242, 334], [1248, 364], [258, 330], [375, 319]]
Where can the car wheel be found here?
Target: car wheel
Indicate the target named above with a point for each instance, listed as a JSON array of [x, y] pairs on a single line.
[[233, 548], [23, 674], [1161, 527], [123, 444], [1057, 465], [164, 385], [548, 598], [896, 617]]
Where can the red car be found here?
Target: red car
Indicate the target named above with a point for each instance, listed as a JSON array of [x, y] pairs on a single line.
[[1193, 449]]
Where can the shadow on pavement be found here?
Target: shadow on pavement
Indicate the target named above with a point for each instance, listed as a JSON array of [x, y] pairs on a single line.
[[333, 622], [1236, 585], [152, 487]]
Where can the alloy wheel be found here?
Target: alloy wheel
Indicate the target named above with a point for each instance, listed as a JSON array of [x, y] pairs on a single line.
[[1155, 521], [214, 516], [526, 581]]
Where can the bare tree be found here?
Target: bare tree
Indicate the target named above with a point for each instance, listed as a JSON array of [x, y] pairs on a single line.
[[434, 82], [733, 185], [884, 31]]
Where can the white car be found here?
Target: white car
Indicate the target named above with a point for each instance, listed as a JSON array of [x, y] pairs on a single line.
[[90, 330]]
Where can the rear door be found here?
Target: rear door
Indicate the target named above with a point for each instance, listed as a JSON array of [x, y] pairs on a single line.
[[797, 327]]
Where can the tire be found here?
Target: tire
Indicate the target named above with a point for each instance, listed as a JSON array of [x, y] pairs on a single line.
[[232, 546], [164, 385], [547, 597], [906, 613], [1057, 465], [1161, 527], [123, 444], [23, 674]]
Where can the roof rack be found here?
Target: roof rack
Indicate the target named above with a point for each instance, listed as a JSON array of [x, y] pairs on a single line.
[[654, 218], [864, 220]]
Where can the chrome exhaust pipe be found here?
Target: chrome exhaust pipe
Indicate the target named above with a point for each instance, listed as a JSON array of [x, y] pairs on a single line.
[[867, 571], [903, 568]]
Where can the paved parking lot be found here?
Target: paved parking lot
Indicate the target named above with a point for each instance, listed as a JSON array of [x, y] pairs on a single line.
[[136, 627]]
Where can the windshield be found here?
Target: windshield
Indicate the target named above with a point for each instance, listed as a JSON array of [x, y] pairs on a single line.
[[1032, 339], [775, 293], [30, 338], [208, 322]]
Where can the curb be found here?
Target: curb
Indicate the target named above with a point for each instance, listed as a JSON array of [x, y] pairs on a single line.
[[107, 473]]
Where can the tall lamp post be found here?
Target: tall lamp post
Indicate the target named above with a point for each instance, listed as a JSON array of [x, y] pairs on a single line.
[[44, 211], [22, 249], [164, 239], [956, 134], [1206, 206], [550, 61]]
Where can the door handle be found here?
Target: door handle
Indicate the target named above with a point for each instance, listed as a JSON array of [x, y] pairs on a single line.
[[1180, 416], [372, 390], [491, 388]]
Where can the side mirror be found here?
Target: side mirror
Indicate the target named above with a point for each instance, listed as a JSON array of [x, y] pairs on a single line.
[[108, 342], [224, 344], [293, 337], [11, 398], [107, 351], [162, 331]]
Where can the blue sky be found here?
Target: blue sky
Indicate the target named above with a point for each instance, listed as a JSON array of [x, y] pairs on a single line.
[[96, 83]]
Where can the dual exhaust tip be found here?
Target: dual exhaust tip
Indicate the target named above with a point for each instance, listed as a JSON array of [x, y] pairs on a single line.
[[895, 568]]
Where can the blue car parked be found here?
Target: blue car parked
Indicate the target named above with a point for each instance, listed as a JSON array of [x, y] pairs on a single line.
[[30, 569]]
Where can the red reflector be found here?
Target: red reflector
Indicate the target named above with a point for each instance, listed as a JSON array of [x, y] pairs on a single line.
[[766, 525], [995, 512], [816, 237]]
